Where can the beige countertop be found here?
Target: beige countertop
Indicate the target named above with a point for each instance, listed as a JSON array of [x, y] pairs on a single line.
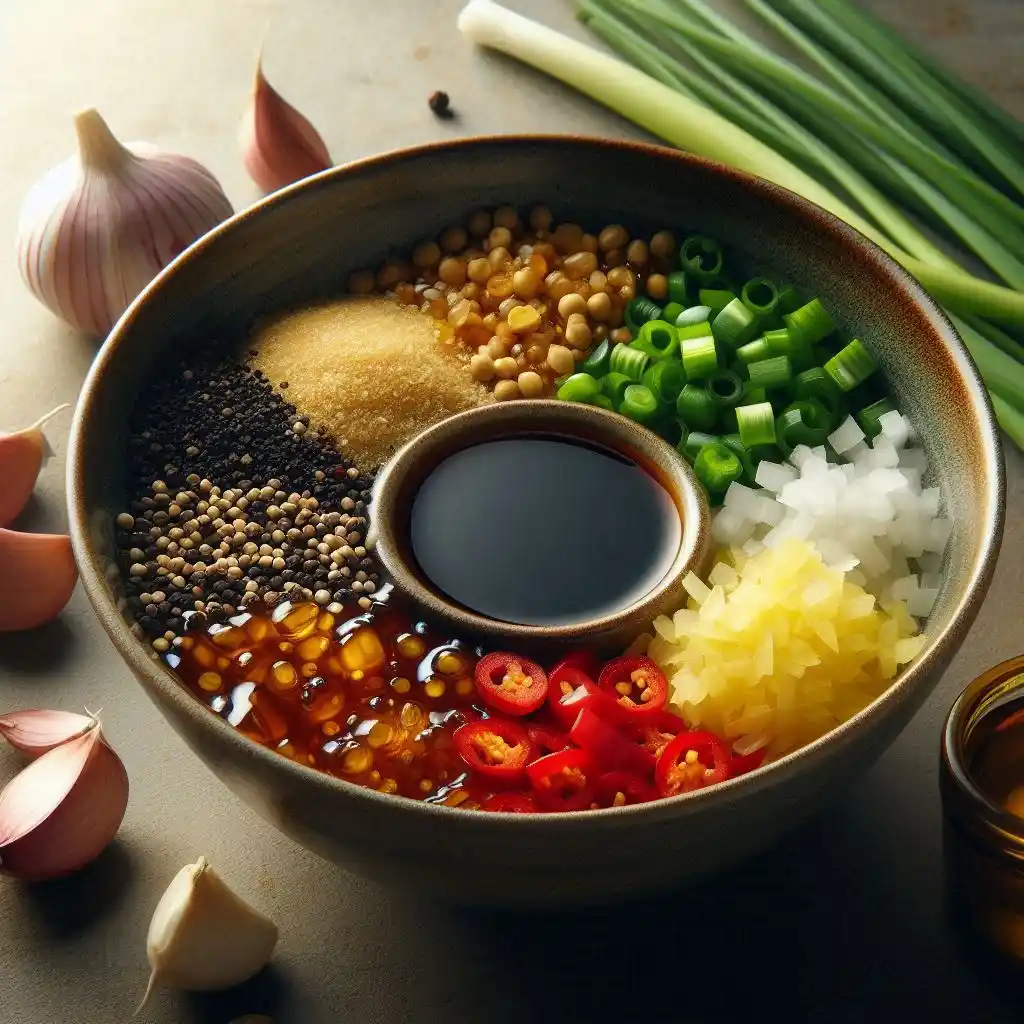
[[844, 922]]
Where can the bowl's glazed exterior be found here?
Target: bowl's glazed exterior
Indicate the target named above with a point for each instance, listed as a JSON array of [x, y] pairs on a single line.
[[299, 244]]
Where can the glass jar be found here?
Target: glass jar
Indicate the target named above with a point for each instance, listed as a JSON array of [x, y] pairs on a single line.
[[984, 842]]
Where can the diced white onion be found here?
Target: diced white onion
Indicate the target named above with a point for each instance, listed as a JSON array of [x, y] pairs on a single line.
[[867, 516], [846, 435]]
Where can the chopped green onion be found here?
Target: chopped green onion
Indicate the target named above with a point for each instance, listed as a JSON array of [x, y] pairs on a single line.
[[670, 430], [677, 287], [784, 343], [699, 329], [805, 422], [716, 467], [851, 365], [693, 440], [816, 383], [788, 299], [700, 357], [701, 258], [756, 424], [811, 322], [867, 419], [695, 408], [694, 315], [740, 369], [613, 386], [716, 299], [658, 339], [754, 351], [596, 364], [770, 373], [752, 395], [725, 388], [639, 403], [628, 360], [750, 457], [666, 378], [642, 309], [735, 325], [814, 413], [760, 296], [671, 311], [602, 402], [580, 387]]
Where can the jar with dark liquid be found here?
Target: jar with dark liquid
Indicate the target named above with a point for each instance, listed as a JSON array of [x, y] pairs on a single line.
[[982, 781]]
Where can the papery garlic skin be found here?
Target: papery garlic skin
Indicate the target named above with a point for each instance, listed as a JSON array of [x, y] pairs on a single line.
[[96, 229], [62, 811], [203, 936], [22, 455], [35, 732], [279, 145], [37, 578]]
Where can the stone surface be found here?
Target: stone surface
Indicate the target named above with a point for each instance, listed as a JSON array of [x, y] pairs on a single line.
[[843, 923]]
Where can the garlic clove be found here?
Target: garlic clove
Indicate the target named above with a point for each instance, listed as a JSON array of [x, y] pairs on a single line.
[[96, 229], [22, 455], [203, 936], [62, 811], [35, 732], [37, 577], [279, 145]]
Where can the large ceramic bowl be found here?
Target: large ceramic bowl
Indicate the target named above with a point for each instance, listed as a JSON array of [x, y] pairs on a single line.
[[299, 244]]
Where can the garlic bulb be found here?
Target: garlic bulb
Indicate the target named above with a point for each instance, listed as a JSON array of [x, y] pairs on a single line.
[[100, 226], [36, 732], [203, 936], [62, 811], [22, 456], [37, 576], [279, 145]]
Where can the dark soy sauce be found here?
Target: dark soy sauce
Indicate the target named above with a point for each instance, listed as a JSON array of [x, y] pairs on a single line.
[[543, 532]]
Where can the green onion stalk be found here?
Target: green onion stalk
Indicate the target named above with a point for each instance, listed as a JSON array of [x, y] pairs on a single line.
[[686, 123]]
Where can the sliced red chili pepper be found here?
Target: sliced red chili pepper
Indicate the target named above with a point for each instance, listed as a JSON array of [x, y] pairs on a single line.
[[566, 709], [692, 761], [547, 740], [617, 789], [494, 747], [584, 661], [563, 679], [654, 734], [511, 684], [610, 750], [743, 763], [510, 803], [563, 781], [638, 687]]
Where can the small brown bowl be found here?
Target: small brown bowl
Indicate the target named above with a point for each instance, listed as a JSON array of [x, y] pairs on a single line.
[[403, 475]]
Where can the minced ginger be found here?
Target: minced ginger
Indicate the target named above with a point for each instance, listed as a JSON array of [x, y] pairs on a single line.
[[780, 648]]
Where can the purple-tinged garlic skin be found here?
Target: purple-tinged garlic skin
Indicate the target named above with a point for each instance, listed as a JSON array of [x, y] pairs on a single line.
[[96, 229], [279, 145], [62, 811]]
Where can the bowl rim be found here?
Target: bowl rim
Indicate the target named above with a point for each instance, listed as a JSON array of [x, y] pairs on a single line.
[[157, 679], [594, 424]]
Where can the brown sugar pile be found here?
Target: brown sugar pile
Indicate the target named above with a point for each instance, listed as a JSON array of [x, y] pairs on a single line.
[[368, 371]]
